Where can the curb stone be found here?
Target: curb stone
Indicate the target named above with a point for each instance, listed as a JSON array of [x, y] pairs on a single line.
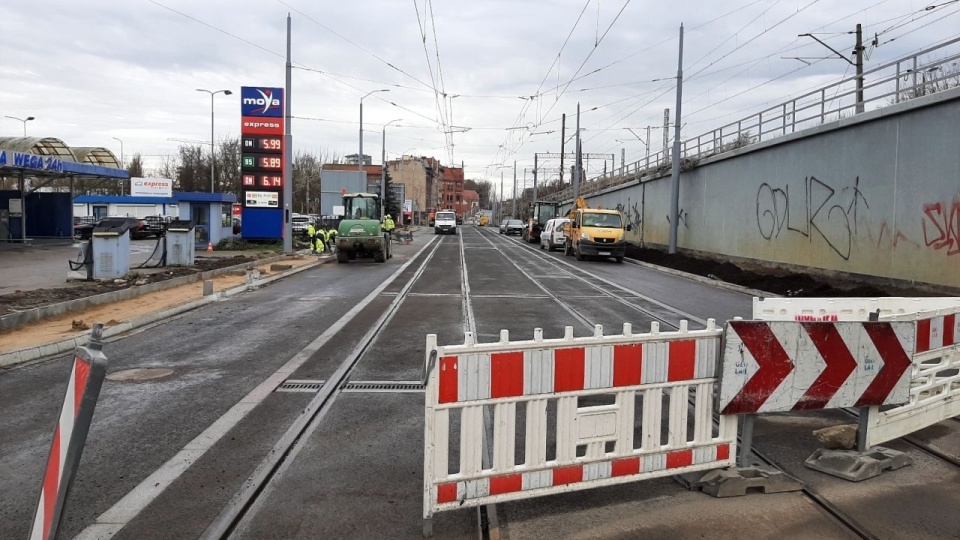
[[55, 348]]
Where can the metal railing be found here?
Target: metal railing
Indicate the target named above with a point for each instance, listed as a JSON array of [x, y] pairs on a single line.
[[900, 80]]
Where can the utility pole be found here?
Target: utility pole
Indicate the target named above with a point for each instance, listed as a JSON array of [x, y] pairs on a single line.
[[288, 154], [675, 169], [623, 160], [647, 145], [514, 189], [857, 62], [534, 178], [859, 53], [666, 134], [500, 202], [563, 135], [576, 161]]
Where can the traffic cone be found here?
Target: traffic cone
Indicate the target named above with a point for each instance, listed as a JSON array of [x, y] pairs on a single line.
[[210, 247]]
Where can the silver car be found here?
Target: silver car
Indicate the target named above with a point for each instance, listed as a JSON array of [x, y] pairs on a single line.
[[552, 236]]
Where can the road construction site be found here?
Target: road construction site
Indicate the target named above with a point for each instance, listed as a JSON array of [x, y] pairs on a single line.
[[296, 410]]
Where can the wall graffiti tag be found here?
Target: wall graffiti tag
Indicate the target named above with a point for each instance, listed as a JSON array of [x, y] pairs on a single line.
[[943, 231], [632, 213], [819, 210]]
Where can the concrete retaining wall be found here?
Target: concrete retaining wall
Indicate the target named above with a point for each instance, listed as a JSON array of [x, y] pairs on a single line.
[[877, 194]]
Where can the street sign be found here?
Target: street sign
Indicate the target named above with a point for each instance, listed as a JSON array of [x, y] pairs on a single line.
[[794, 366]]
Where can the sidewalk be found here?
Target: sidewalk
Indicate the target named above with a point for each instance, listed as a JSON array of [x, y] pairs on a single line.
[[59, 334]]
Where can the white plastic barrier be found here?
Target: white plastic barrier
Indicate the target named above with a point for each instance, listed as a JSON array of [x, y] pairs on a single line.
[[935, 380], [843, 309], [580, 397], [935, 370]]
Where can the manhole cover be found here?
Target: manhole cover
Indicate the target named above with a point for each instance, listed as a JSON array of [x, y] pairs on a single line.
[[139, 374]]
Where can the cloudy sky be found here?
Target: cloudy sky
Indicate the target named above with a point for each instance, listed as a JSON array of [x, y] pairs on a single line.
[[96, 69]]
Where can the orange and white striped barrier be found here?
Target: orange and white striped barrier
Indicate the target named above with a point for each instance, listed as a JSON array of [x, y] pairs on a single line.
[[582, 413], [69, 436]]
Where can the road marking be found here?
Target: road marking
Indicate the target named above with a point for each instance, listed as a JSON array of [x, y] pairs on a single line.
[[246, 503], [130, 505], [583, 320], [556, 261]]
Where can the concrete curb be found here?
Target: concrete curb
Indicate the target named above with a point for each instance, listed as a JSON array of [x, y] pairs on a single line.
[[705, 280], [15, 320], [61, 347]]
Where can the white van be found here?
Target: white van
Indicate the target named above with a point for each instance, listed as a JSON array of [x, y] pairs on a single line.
[[445, 222], [552, 236]]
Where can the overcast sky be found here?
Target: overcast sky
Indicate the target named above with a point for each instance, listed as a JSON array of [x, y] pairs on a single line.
[[96, 69]]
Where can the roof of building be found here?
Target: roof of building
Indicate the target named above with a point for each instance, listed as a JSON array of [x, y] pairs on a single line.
[[470, 195], [369, 169], [189, 196], [58, 159]]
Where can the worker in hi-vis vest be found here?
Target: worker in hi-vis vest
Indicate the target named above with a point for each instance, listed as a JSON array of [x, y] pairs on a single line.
[[331, 238], [311, 232], [320, 239]]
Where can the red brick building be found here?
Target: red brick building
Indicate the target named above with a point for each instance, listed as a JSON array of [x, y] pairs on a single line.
[[451, 188]]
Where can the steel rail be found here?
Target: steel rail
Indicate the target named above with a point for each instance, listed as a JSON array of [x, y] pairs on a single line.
[[287, 447]]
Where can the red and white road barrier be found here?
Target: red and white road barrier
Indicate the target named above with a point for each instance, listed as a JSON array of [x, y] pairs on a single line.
[[934, 380], [570, 408], [781, 366], [69, 436]]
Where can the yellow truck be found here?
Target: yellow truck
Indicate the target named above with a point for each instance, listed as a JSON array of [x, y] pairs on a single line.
[[595, 232]]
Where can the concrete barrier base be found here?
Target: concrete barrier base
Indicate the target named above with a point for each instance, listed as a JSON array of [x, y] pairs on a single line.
[[738, 481], [857, 466]]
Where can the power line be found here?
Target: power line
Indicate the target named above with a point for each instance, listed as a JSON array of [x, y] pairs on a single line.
[[523, 110], [334, 32], [234, 36]]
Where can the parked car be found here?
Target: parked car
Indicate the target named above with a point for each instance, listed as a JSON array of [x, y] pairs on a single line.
[[503, 226], [552, 236], [299, 223], [157, 225], [83, 228], [514, 226]]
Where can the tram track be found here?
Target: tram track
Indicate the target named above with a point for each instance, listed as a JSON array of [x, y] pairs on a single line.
[[243, 505], [833, 511]]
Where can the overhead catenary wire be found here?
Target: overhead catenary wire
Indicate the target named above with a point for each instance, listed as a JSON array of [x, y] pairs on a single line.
[[351, 42]]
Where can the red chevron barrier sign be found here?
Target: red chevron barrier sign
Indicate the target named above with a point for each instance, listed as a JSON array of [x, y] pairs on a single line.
[[796, 366]]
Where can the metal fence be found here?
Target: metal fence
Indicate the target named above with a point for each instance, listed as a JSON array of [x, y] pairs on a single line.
[[929, 71]]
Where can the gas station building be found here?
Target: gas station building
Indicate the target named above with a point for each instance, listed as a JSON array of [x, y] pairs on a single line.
[[36, 185]]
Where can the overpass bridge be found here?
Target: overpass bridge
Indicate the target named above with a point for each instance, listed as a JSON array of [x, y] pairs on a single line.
[[809, 184]]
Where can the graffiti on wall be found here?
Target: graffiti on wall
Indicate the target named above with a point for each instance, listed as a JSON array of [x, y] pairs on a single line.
[[632, 213], [941, 227], [815, 210]]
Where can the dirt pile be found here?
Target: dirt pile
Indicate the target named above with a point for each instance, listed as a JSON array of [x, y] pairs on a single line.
[[781, 283]]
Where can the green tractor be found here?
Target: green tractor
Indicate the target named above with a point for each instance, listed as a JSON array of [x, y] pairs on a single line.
[[359, 234]]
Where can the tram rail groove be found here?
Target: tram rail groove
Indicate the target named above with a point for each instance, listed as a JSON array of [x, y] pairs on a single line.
[[836, 514], [244, 501]]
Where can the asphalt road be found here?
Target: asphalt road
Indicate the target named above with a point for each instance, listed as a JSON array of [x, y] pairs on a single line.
[[166, 456]]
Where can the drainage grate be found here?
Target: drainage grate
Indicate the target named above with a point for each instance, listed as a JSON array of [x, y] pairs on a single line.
[[313, 386], [292, 385], [383, 386]]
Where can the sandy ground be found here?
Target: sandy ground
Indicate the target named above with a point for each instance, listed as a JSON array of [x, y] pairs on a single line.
[[59, 328]]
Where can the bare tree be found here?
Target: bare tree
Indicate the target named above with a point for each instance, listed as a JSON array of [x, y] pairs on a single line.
[[135, 168]]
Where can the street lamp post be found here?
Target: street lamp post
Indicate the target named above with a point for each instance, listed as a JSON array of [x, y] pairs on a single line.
[[360, 155], [383, 171], [121, 161], [24, 120], [213, 157]]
